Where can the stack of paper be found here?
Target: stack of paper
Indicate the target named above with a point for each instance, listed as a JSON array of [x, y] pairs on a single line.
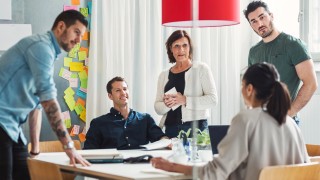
[[161, 144], [172, 91]]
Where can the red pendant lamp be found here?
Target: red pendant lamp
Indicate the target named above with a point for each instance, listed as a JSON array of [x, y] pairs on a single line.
[[209, 13]]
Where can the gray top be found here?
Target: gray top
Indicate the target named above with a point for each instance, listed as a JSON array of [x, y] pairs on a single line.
[[255, 140]]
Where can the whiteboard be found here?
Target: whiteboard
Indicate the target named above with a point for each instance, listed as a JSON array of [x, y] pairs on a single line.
[[12, 33], [5, 10]]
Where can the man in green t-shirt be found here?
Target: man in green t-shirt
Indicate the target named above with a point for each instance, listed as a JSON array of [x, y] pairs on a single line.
[[289, 55]]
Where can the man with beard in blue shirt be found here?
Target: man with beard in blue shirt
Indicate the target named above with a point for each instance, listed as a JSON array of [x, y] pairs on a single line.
[[122, 127]]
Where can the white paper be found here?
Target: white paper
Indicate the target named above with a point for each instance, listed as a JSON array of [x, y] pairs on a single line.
[[5, 10], [159, 171], [10, 34], [173, 91], [162, 143]]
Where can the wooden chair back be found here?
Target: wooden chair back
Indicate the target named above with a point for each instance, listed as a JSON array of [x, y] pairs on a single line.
[[54, 146], [313, 149], [310, 171], [40, 170]]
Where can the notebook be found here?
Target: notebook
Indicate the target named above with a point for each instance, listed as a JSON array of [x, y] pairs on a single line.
[[217, 133], [102, 155]]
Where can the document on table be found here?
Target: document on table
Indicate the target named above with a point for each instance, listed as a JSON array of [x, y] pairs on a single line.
[[173, 91], [161, 144]]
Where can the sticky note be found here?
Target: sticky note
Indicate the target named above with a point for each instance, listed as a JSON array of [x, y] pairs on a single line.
[[83, 89], [84, 12], [69, 91], [82, 137], [76, 66], [73, 82], [66, 61], [65, 115], [81, 101], [83, 116], [84, 83], [90, 7], [67, 123], [64, 73], [83, 75], [78, 108], [84, 49], [82, 55], [74, 75], [73, 52], [75, 2], [86, 62], [81, 94], [70, 104], [67, 7], [85, 36]]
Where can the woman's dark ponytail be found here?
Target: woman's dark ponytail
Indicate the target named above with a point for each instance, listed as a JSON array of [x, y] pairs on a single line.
[[264, 78], [279, 102]]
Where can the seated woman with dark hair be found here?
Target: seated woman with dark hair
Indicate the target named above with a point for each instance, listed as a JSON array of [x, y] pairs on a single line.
[[262, 135]]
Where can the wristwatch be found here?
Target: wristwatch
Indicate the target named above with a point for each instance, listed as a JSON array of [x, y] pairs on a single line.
[[69, 145]]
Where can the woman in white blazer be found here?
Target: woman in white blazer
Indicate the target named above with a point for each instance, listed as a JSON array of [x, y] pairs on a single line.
[[186, 91]]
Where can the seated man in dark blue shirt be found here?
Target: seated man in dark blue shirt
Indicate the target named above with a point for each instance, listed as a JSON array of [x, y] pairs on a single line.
[[122, 127]]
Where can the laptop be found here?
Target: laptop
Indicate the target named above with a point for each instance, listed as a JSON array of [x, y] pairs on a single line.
[[217, 133]]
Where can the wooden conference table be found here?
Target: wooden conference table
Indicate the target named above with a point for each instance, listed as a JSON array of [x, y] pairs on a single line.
[[115, 170]]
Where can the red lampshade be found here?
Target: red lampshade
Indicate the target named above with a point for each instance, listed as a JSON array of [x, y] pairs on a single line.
[[178, 13]]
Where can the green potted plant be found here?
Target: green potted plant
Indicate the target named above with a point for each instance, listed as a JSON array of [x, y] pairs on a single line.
[[203, 138]]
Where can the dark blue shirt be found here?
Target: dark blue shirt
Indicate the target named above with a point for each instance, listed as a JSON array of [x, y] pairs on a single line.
[[112, 131]]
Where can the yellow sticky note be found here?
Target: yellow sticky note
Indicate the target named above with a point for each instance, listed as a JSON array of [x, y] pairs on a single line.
[[84, 12], [76, 66], [83, 115], [66, 61], [78, 108], [67, 123], [73, 52], [69, 91], [83, 75], [84, 83], [71, 104], [82, 55]]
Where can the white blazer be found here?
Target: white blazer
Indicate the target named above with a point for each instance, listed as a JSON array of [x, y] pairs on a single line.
[[200, 92]]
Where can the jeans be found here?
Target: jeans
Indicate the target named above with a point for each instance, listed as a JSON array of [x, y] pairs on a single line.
[[173, 131], [13, 158]]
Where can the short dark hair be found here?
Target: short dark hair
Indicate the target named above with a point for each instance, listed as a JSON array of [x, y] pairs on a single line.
[[172, 38], [253, 6], [109, 84], [264, 78], [70, 17]]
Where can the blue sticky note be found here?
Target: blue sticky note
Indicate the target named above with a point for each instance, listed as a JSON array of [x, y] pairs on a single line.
[[89, 6], [81, 94]]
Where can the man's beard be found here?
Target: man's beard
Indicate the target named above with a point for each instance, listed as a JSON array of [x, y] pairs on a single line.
[[63, 44], [267, 33]]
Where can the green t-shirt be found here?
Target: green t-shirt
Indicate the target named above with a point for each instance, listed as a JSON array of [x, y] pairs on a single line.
[[284, 52]]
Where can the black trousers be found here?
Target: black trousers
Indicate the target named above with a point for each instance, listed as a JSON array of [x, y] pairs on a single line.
[[13, 158]]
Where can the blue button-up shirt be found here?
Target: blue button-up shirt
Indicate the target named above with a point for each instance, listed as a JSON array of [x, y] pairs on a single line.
[[112, 131], [26, 79]]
